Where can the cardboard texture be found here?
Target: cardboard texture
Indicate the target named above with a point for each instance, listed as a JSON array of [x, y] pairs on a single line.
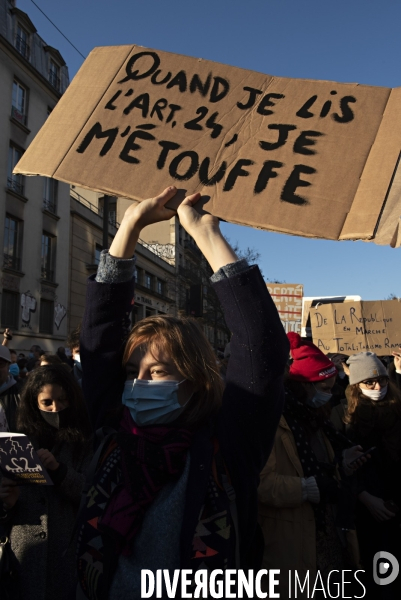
[[310, 158], [353, 327], [288, 299]]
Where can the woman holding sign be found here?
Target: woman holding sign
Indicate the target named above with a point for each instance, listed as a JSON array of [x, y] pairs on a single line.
[[163, 493], [40, 518], [373, 419]]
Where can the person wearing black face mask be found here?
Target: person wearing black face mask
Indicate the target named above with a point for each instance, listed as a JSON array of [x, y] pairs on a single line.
[[304, 496], [40, 519]]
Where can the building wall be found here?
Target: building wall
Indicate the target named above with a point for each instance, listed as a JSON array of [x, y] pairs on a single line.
[[87, 240], [24, 277]]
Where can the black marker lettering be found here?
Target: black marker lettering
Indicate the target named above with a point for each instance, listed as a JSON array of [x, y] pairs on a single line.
[[97, 132], [325, 109], [197, 84], [253, 94], [237, 171], [265, 174], [194, 123], [304, 112], [131, 145], [288, 194], [181, 80], [153, 79], [266, 101], [110, 105], [192, 169], [173, 109], [158, 107], [135, 74], [303, 140], [211, 124], [347, 114], [215, 94], [283, 131], [166, 147], [141, 102], [204, 172]]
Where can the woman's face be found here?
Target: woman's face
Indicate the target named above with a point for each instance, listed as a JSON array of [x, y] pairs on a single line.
[[377, 383], [322, 386], [52, 398], [157, 366]]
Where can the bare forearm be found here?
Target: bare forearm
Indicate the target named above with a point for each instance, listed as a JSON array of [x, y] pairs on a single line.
[[215, 248], [124, 244]]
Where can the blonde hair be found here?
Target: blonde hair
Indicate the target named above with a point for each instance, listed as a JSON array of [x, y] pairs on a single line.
[[354, 398], [192, 354]]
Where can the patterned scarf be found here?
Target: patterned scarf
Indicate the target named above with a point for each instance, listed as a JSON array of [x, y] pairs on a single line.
[[297, 413], [151, 457]]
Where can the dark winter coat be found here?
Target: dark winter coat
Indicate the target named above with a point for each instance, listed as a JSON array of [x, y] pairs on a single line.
[[41, 526], [252, 400]]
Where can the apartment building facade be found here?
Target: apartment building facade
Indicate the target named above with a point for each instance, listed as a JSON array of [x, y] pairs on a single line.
[[34, 211], [155, 276]]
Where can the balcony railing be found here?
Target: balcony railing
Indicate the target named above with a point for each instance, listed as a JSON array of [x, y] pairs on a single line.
[[50, 205], [47, 274], [54, 80], [18, 116], [16, 184], [11, 262], [22, 47]]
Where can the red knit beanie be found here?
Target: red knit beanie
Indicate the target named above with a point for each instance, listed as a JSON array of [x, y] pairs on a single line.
[[309, 364]]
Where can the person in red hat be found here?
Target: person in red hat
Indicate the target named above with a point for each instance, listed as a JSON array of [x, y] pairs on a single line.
[[302, 502]]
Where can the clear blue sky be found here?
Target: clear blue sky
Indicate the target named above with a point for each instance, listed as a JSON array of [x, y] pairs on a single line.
[[346, 41]]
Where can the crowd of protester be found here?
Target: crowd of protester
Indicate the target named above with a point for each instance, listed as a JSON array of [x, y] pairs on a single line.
[[276, 456]]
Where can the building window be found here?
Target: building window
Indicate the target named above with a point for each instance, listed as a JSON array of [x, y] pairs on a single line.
[[12, 243], [148, 281], [47, 257], [9, 309], [46, 316], [112, 208], [98, 250], [22, 42], [54, 75], [14, 182], [19, 106], [50, 195], [160, 287]]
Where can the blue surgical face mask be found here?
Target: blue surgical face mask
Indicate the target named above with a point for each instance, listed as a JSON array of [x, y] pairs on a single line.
[[320, 398], [152, 402]]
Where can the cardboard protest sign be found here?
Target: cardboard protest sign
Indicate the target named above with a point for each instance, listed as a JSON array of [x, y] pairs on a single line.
[[19, 461], [354, 327], [308, 302], [311, 158], [288, 299]]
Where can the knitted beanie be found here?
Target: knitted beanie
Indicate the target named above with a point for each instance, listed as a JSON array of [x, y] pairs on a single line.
[[309, 363], [365, 365]]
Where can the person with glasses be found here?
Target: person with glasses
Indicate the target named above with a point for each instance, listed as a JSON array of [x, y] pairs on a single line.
[[373, 420]]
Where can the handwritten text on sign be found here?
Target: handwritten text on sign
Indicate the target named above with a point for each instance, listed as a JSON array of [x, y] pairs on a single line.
[[353, 327], [288, 300], [182, 164], [271, 152]]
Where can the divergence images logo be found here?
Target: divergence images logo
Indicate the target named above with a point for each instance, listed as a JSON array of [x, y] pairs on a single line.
[[385, 568]]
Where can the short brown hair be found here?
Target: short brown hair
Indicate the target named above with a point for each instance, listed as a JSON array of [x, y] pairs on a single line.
[[192, 354]]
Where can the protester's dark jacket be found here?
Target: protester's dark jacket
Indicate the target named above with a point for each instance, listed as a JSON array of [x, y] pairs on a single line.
[[9, 399], [41, 524], [252, 400], [378, 425]]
